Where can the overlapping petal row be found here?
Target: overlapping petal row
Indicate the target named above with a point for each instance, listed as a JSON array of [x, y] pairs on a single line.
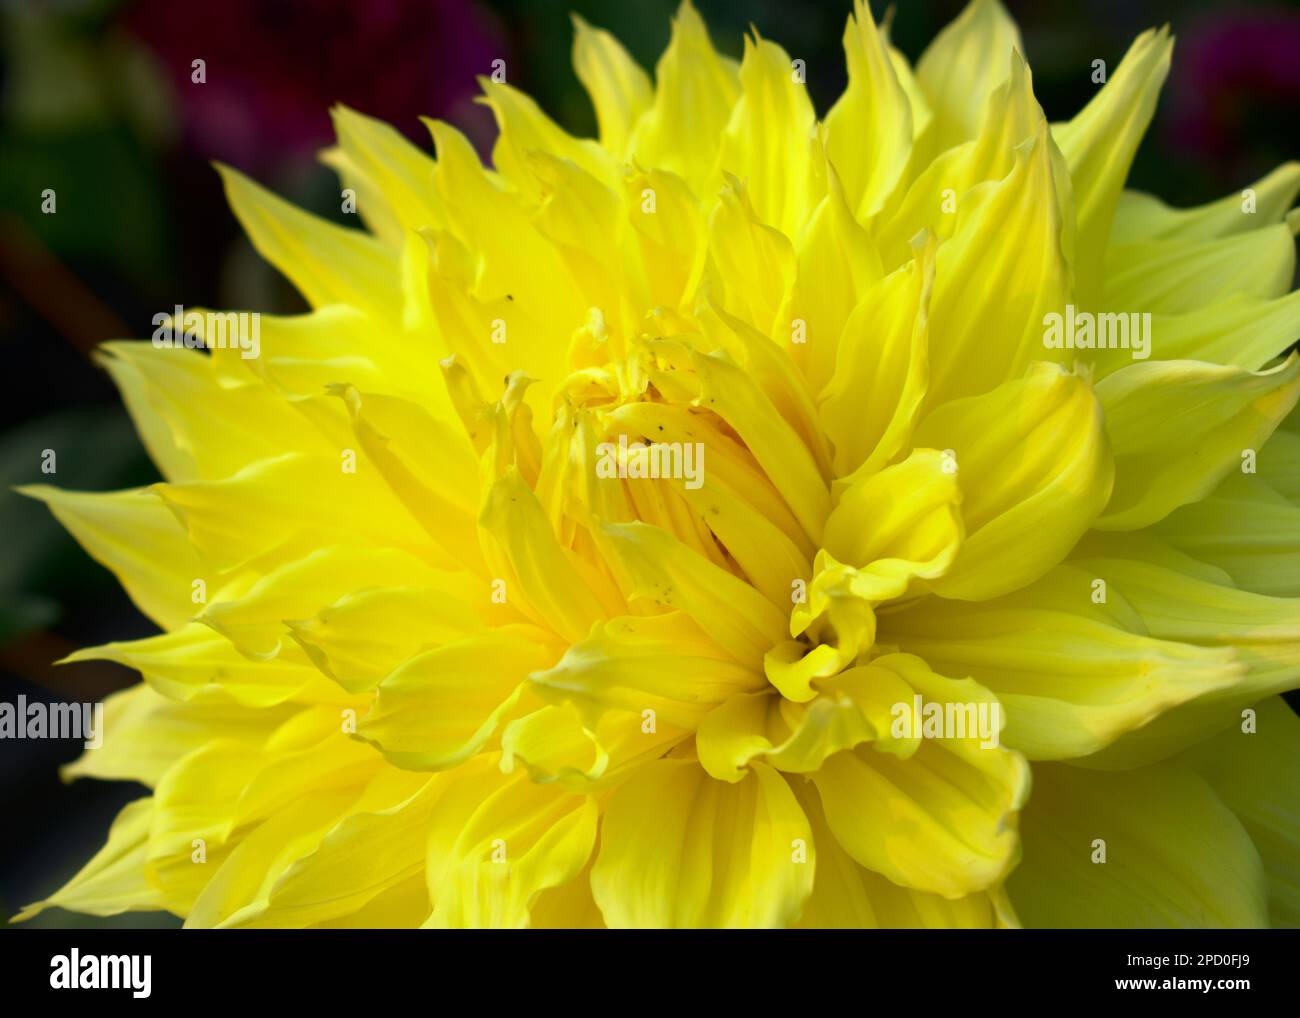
[[445, 670]]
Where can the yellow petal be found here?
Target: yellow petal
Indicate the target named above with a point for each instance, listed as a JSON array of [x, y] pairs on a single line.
[[524, 128], [441, 707], [619, 89], [659, 663], [1178, 427], [132, 534], [328, 264], [498, 842], [1234, 764], [901, 523], [869, 129], [1243, 331], [1180, 276], [400, 175], [1030, 457], [379, 846], [1264, 633], [371, 205], [1099, 144], [854, 706], [1071, 674], [1011, 117], [255, 619], [752, 264], [145, 733], [957, 802], [503, 254], [584, 221], [870, 404], [679, 849], [362, 636], [695, 90], [965, 62], [836, 263], [429, 464], [568, 907], [1279, 463], [1247, 529], [920, 106], [1001, 272], [582, 749], [540, 576], [178, 392], [1175, 856], [671, 235], [773, 367], [1140, 216], [113, 881], [768, 141], [262, 856], [313, 751], [733, 395], [770, 560], [192, 809], [848, 896], [729, 461], [195, 661], [301, 355], [659, 568], [284, 507]]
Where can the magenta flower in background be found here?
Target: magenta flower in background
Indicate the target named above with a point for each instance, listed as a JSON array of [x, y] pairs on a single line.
[[274, 68], [1227, 66]]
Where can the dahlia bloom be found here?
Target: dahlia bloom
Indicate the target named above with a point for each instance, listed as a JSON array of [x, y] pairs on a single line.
[[600, 547]]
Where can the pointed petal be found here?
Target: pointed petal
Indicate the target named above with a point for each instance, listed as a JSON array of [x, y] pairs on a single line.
[[871, 403], [1142, 216], [1178, 427], [1264, 633], [661, 663], [1180, 276], [966, 61], [397, 173], [1072, 675], [328, 264], [664, 570], [695, 90], [1030, 457], [132, 534], [442, 706], [196, 661], [1002, 271], [377, 847], [498, 842], [619, 89], [768, 142], [869, 129], [113, 881], [1099, 144]]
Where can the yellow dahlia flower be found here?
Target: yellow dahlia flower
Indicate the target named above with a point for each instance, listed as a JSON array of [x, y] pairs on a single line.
[[718, 523]]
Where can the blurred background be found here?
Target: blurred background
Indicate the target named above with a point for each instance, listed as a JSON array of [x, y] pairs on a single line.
[[96, 103]]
